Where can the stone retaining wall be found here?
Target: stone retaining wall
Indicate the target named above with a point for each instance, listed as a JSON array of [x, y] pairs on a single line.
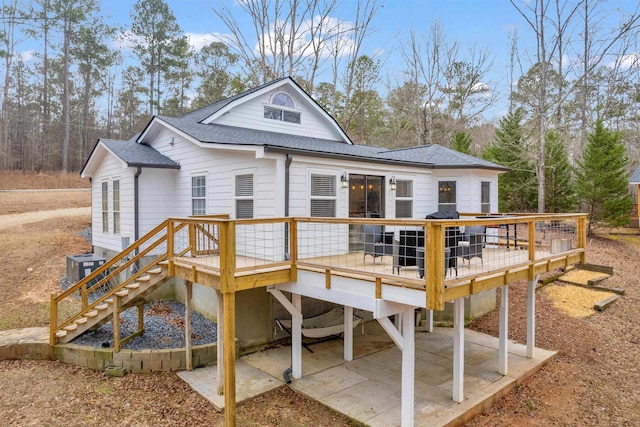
[[33, 344]]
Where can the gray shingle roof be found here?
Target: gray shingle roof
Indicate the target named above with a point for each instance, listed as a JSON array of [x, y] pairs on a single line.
[[202, 113], [434, 156], [635, 178], [135, 154]]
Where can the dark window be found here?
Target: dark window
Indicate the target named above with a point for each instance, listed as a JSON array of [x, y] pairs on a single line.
[[485, 199], [447, 196], [404, 198]]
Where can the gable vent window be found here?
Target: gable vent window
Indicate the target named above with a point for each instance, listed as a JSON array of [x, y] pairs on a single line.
[[244, 196], [276, 112], [404, 199], [323, 195], [198, 195]]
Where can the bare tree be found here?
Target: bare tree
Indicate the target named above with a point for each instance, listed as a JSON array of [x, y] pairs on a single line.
[[553, 32]]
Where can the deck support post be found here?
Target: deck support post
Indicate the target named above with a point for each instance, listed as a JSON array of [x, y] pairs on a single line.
[[229, 301], [408, 367], [405, 340], [429, 321], [531, 316], [348, 333], [220, 344], [458, 350], [116, 323], [187, 325], [503, 335], [296, 338], [294, 307]]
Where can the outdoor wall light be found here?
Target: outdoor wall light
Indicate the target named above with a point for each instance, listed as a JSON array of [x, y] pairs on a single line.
[[344, 180], [392, 183]]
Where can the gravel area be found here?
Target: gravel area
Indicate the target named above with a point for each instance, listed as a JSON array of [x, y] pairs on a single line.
[[163, 324]]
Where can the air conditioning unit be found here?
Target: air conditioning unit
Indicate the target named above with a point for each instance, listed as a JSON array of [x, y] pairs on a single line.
[[81, 265]]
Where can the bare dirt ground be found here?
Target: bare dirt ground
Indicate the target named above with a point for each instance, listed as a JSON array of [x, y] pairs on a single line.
[[592, 381]]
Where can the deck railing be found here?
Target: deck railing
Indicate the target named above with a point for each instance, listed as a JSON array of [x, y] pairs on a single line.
[[436, 256]]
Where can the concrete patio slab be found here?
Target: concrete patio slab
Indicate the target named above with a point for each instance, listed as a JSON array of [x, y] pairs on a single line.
[[368, 389]]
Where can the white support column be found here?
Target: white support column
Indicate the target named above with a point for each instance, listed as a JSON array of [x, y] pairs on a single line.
[[531, 316], [296, 338], [429, 321], [503, 335], [187, 325], [408, 367], [220, 345], [458, 350], [348, 333], [397, 322]]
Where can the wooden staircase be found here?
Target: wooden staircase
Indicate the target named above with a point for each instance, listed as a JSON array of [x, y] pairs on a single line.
[[125, 296]]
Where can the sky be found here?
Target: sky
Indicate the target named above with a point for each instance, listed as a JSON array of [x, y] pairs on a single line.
[[483, 24]]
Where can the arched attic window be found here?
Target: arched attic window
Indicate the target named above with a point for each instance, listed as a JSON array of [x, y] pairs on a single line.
[[281, 107]]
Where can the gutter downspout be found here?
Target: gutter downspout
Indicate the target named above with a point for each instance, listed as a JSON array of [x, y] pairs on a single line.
[[136, 219], [287, 164]]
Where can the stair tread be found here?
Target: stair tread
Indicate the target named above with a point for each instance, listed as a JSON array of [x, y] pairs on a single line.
[[109, 300], [144, 278], [92, 313], [81, 320], [156, 270], [71, 327], [123, 293], [134, 285], [61, 334], [165, 262], [102, 307]]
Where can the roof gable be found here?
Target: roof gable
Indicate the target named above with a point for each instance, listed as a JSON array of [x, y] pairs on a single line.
[[129, 153], [216, 112]]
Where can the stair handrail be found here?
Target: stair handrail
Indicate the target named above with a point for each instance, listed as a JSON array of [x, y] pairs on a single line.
[[81, 284]]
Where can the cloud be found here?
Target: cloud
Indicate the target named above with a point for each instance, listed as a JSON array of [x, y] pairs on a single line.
[[199, 40], [126, 39], [26, 55], [331, 36], [628, 61]]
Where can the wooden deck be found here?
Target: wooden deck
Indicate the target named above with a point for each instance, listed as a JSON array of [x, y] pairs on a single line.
[[311, 257]]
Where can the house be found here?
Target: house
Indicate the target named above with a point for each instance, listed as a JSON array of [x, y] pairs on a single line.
[[269, 152]]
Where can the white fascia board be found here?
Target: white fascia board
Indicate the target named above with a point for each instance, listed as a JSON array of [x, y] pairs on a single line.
[[96, 157]]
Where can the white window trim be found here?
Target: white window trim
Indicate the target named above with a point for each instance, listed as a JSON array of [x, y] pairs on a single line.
[[252, 197], [199, 175], [406, 198], [443, 179], [116, 224], [104, 213], [336, 179], [489, 201]]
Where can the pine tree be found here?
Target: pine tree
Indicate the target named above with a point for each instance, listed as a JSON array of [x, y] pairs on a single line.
[[559, 185], [517, 188], [462, 142], [602, 178]]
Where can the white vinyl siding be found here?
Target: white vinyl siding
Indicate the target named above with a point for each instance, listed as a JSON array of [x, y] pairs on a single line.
[[105, 207], [323, 196], [116, 206], [244, 196], [404, 198], [199, 195], [251, 115]]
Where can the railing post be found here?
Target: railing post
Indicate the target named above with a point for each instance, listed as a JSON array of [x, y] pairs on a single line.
[[293, 248], [192, 239], [53, 320], [170, 241], [434, 265], [582, 236], [532, 245]]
